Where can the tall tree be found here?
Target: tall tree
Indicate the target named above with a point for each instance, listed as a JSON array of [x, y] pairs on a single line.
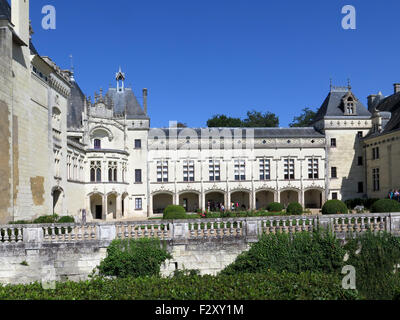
[[254, 119], [257, 119], [305, 119], [222, 121]]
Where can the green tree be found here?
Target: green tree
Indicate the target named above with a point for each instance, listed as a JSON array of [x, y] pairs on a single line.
[[222, 121], [257, 119], [305, 119]]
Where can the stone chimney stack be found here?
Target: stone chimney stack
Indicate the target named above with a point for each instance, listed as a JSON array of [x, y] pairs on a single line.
[[396, 88], [145, 92], [20, 19], [371, 99]]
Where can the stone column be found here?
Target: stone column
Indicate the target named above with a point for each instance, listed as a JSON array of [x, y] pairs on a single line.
[[277, 196], [105, 206], [301, 195], [253, 205], [119, 207], [228, 201]]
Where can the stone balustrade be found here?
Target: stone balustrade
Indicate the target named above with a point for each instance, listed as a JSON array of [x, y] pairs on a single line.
[[222, 228]]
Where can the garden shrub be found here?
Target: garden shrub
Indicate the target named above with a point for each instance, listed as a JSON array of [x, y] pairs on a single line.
[[271, 286], [133, 258], [334, 207], [174, 212], [385, 205], [294, 208], [317, 251], [375, 263], [46, 219], [367, 203], [66, 219], [275, 207]]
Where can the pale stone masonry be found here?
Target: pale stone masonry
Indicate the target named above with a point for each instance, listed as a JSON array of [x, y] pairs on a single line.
[[65, 153], [46, 253]]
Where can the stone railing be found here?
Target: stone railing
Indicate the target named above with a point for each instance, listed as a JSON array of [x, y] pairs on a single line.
[[250, 229]]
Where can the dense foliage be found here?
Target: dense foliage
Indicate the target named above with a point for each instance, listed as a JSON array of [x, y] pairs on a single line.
[[275, 207], [47, 219], [334, 207], [305, 119], [270, 286], [174, 212], [374, 258], [133, 258], [294, 208], [366, 203], [318, 251], [385, 205], [254, 119]]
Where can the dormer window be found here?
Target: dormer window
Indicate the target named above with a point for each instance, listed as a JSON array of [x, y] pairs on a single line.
[[349, 104], [97, 144]]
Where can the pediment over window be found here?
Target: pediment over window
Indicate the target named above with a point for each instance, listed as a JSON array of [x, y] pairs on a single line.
[[101, 132]]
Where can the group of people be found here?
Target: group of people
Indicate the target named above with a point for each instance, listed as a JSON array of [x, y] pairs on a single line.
[[394, 195], [214, 207]]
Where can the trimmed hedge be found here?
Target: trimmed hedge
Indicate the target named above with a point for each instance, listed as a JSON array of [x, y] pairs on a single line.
[[317, 251], [275, 207], [385, 205], [294, 208], [174, 212], [47, 219], [271, 286], [334, 207], [133, 258]]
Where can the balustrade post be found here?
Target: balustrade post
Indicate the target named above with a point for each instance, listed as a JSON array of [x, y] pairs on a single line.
[[33, 234], [394, 222]]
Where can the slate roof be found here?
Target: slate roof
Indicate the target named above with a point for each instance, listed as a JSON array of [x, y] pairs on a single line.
[[126, 99], [303, 132], [391, 104], [76, 103], [332, 106]]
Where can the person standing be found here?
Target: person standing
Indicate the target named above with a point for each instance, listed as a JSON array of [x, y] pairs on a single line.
[[84, 216], [397, 195]]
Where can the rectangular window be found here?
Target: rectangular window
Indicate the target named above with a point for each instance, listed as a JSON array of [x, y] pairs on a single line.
[[313, 169], [360, 161], [112, 171], [188, 170], [333, 172], [97, 144], [138, 176], [265, 169], [359, 134], [375, 179], [360, 187], [162, 171], [138, 204], [334, 196], [138, 144], [240, 169], [288, 168], [214, 169], [333, 142], [95, 171]]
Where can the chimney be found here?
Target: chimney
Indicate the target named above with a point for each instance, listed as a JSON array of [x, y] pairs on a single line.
[[145, 100], [20, 19], [371, 99], [396, 88]]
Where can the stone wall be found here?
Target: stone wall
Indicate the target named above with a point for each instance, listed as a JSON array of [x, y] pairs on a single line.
[[30, 253]]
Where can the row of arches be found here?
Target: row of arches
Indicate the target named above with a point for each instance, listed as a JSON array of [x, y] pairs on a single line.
[[193, 201], [101, 205]]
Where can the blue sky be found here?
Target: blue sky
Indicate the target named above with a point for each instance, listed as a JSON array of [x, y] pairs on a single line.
[[200, 58]]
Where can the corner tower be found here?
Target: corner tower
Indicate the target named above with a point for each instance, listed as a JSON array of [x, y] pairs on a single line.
[[345, 121]]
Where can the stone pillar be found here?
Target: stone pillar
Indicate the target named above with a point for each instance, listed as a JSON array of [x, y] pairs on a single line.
[[277, 196], [105, 207], [253, 205], [228, 201], [394, 224], [119, 207], [301, 196], [201, 201], [150, 207], [176, 199]]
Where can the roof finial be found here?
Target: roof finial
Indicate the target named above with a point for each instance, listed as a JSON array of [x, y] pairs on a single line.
[[72, 67], [330, 84], [348, 84]]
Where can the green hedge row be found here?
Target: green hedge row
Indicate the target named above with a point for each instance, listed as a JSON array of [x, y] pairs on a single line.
[[270, 286]]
